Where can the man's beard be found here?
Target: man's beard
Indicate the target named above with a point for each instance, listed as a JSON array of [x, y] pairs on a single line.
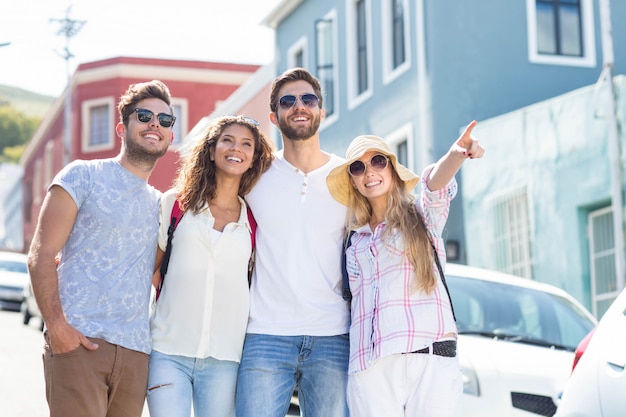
[[300, 133], [137, 153]]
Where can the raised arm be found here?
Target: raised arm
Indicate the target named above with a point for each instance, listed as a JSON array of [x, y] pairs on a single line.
[[466, 146]]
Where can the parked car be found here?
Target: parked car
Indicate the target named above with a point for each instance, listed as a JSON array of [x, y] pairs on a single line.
[[597, 385], [516, 341], [30, 309], [13, 279]]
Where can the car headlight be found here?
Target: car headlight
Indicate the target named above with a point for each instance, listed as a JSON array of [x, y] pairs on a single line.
[[470, 381]]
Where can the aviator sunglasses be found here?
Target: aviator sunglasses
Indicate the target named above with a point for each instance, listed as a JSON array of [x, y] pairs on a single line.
[[288, 101], [145, 116], [378, 163]]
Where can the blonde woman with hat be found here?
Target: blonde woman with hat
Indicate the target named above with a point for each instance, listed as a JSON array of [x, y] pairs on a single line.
[[403, 334]]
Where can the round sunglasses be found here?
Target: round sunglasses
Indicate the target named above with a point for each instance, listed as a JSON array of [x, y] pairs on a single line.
[[288, 101], [145, 116], [378, 162]]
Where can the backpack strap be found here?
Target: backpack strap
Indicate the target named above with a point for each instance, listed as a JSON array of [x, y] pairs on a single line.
[[443, 279], [175, 217], [347, 294], [252, 222]]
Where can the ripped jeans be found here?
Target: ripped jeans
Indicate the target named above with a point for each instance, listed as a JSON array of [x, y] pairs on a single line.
[[175, 382]]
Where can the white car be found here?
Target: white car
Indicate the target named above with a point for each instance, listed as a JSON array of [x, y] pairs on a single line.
[[597, 385], [30, 309], [516, 341], [14, 278]]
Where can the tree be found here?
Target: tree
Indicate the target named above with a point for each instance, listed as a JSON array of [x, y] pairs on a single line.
[[16, 129]]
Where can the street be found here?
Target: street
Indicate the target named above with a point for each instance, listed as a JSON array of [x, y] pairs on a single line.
[[21, 380], [22, 392]]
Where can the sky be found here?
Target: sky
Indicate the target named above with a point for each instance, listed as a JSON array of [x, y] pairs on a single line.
[[203, 30]]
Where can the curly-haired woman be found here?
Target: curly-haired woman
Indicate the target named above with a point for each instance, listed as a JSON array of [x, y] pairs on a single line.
[[199, 322]]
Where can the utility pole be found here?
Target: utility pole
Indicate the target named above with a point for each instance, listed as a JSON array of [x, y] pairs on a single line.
[[613, 143], [68, 28]]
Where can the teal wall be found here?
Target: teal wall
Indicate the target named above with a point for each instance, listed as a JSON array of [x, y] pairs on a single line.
[[558, 149]]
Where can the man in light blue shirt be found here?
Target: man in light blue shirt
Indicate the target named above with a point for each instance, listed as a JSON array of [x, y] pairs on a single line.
[[91, 265]]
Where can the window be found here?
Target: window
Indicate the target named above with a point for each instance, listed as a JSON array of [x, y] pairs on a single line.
[[326, 62], [28, 201], [397, 33], [511, 234], [400, 141], [361, 46], [402, 152], [296, 55], [98, 122], [395, 30], [98, 125], [298, 59], [38, 187], [358, 46], [561, 32], [602, 260], [48, 167], [559, 27], [180, 126]]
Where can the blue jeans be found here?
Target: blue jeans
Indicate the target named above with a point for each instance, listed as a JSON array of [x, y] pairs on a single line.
[[272, 366], [174, 381]]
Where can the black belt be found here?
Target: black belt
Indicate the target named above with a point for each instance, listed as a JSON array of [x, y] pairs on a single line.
[[447, 348]]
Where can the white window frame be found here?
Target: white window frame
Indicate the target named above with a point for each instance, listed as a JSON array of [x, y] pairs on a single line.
[[587, 33], [390, 73], [38, 187], [332, 15], [516, 238], [401, 134], [48, 166], [355, 98], [86, 125], [300, 46], [601, 301], [182, 122]]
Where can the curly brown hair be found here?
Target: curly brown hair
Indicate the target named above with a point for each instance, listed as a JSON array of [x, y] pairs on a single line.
[[196, 182], [142, 91]]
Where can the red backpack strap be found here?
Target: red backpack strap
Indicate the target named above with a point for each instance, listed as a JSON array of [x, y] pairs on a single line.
[[177, 214], [252, 222]]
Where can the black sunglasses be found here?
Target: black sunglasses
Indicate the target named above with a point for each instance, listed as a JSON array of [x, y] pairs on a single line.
[[145, 116], [378, 163], [288, 101]]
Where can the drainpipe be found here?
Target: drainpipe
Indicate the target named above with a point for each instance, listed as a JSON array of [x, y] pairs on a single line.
[[424, 104], [613, 142]]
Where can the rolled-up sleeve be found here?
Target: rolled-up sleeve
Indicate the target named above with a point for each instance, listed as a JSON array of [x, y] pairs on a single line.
[[435, 208]]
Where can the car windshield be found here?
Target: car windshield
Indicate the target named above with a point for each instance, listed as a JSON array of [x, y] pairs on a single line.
[[13, 266], [517, 314]]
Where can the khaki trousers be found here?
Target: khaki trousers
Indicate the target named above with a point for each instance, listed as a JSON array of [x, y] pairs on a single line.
[[107, 382]]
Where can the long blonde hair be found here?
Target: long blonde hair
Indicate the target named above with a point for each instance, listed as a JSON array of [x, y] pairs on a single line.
[[402, 217]]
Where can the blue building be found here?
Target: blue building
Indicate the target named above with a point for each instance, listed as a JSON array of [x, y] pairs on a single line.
[[417, 71]]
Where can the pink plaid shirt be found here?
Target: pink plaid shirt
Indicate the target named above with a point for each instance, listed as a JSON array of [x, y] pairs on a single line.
[[387, 317]]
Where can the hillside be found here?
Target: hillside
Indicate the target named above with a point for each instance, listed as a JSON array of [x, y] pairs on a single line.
[[27, 102]]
